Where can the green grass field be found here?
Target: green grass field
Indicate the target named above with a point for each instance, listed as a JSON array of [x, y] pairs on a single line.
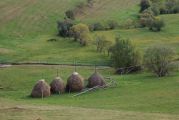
[[140, 93], [24, 35], [25, 28]]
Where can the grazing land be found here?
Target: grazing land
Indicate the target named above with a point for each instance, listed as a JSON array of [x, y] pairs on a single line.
[[135, 97], [26, 26]]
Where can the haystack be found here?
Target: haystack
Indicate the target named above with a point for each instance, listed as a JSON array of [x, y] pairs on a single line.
[[96, 80], [75, 83], [57, 86], [41, 89]]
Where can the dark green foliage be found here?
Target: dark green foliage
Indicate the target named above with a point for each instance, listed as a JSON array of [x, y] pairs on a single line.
[[169, 7], [70, 14], [124, 54], [158, 59], [155, 9], [113, 24], [64, 28], [156, 24], [98, 26], [146, 18], [144, 4]]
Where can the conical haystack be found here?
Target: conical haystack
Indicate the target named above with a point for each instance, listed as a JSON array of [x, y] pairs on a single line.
[[41, 89], [96, 80], [75, 83], [57, 86]]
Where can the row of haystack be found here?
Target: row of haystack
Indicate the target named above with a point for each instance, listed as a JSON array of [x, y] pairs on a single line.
[[75, 83]]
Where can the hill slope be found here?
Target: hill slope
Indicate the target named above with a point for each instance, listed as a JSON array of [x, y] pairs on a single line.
[[26, 25]]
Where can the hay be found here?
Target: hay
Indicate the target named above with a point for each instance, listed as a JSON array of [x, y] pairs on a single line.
[[41, 89], [75, 83], [57, 86], [96, 80]]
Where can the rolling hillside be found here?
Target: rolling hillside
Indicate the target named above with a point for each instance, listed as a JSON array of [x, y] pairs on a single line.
[[104, 10], [25, 29], [26, 25]]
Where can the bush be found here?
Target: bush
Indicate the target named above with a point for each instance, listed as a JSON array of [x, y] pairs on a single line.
[[98, 26], [170, 7], [129, 23], [80, 32], [146, 18], [155, 9], [144, 4], [70, 14], [124, 54], [156, 24], [113, 24], [64, 28], [158, 59], [176, 9], [102, 44], [85, 38]]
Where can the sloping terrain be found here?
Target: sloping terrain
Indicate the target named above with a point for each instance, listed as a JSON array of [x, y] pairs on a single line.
[[26, 25], [104, 10]]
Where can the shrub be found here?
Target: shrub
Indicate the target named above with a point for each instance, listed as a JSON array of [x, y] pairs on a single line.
[[64, 28], [70, 14], [124, 54], [158, 59], [144, 4], [85, 38], [102, 44], [157, 24], [163, 10], [129, 23], [176, 9], [112, 24], [80, 32], [155, 9], [146, 18], [90, 3], [98, 26], [169, 7]]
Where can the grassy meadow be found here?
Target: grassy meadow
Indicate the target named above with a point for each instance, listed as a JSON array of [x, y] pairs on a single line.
[[137, 94], [25, 28]]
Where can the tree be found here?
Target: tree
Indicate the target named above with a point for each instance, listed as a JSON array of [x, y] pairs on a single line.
[[113, 24], [85, 38], [158, 59], [146, 18], [80, 32], [124, 54], [156, 24], [70, 14], [64, 27], [102, 44], [144, 4]]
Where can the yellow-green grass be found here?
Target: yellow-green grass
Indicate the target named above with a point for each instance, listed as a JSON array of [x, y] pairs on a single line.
[[24, 35], [140, 92], [105, 10], [142, 38], [20, 111]]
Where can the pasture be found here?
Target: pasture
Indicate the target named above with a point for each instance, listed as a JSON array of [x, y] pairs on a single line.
[[136, 95], [26, 26]]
